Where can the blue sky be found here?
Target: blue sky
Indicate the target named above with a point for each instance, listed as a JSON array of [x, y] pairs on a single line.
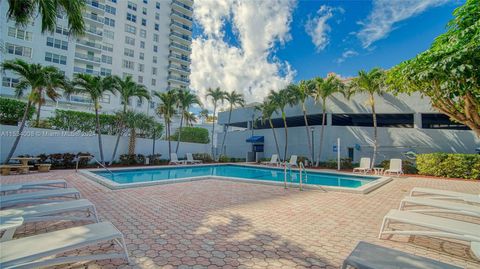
[[256, 46]]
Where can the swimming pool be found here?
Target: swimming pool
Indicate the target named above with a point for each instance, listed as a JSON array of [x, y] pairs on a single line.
[[256, 174]]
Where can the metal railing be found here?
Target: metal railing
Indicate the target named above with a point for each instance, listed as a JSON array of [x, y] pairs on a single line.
[[91, 157]]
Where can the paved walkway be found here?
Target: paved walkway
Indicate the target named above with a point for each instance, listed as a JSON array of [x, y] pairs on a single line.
[[213, 224]]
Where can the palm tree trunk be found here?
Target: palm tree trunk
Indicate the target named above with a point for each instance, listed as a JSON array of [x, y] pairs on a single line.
[[179, 132], [286, 136], [375, 146], [167, 123], [120, 129], [131, 142], [324, 115], [213, 129], [226, 129], [274, 136], [309, 139], [37, 121], [20, 130], [100, 146]]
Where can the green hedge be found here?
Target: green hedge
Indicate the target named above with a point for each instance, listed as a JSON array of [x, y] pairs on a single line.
[[11, 111], [70, 120], [449, 165], [192, 134]]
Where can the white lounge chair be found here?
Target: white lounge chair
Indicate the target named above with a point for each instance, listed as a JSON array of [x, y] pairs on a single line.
[[293, 161], [174, 159], [364, 166], [40, 250], [191, 160], [47, 212], [38, 197], [447, 195], [273, 160], [439, 206], [43, 184], [438, 227], [395, 167]]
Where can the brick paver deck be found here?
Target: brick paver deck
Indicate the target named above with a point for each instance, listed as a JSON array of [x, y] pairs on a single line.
[[224, 224]]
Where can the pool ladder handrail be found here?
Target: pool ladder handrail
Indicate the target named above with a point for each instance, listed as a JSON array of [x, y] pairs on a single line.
[[95, 159], [302, 168]]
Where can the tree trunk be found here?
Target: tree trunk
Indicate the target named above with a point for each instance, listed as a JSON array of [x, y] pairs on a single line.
[[120, 130], [20, 130], [37, 121], [100, 146], [324, 115], [274, 137], [309, 139], [131, 142], [224, 153], [286, 135], [167, 124], [179, 132], [374, 131], [213, 129]]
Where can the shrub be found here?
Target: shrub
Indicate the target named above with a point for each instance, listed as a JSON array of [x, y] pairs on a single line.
[[130, 159], [224, 159], [56, 159], [11, 111], [82, 162], [204, 157], [453, 165], [70, 120], [192, 134], [156, 160], [408, 166], [345, 163]]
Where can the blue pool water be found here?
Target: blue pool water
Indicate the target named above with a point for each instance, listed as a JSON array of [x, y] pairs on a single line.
[[233, 171]]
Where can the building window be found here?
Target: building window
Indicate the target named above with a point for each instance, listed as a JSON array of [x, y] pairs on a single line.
[[128, 64], [141, 56], [19, 50], [128, 52], [154, 82], [144, 22], [106, 59], [130, 29], [130, 40], [152, 104], [157, 26], [109, 22], [9, 82], [145, 1], [107, 47], [157, 5], [143, 33], [141, 67], [142, 44], [61, 30], [154, 70], [155, 37], [155, 48], [132, 6], [110, 9], [140, 79], [154, 59], [441, 121], [57, 43], [124, 75], [131, 17], [19, 34], [366, 120], [144, 11], [113, 1], [157, 16], [108, 34], [105, 71], [55, 58], [139, 103], [105, 99]]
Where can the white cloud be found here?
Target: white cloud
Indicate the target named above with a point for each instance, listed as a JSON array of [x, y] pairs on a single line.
[[386, 13], [250, 68], [317, 27], [346, 54]]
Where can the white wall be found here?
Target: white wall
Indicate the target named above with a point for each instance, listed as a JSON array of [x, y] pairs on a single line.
[[37, 141]]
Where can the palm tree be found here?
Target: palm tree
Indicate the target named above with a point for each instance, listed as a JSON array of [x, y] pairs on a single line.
[[203, 114], [217, 95], [185, 100], [36, 77], [166, 109], [372, 83], [234, 99], [136, 121], [54, 80], [189, 119], [300, 93], [267, 109], [95, 87], [280, 100], [24, 11], [324, 88], [128, 89]]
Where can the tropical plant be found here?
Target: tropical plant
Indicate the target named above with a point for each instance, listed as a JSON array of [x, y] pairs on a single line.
[[300, 93], [127, 88], [80, 121], [185, 100], [192, 135], [267, 109], [136, 122], [280, 100], [217, 95], [234, 99], [203, 114], [94, 87], [322, 89], [11, 111], [449, 71], [190, 118], [166, 109], [24, 12], [33, 76], [371, 83]]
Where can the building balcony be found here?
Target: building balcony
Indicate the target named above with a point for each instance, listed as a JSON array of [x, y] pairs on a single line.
[[88, 58], [180, 80], [180, 59], [174, 25], [80, 70], [177, 68], [181, 7], [93, 18], [182, 38], [182, 18], [94, 32], [95, 4], [179, 47], [89, 45]]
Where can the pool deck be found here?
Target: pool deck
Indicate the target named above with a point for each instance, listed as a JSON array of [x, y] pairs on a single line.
[[230, 224]]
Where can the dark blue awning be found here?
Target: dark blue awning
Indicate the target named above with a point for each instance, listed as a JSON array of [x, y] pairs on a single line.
[[255, 139]]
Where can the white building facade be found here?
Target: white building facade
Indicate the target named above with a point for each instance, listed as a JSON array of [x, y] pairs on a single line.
[[149, 40]]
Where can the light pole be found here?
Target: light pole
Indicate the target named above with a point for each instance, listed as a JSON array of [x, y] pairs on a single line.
[[312, 129]]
